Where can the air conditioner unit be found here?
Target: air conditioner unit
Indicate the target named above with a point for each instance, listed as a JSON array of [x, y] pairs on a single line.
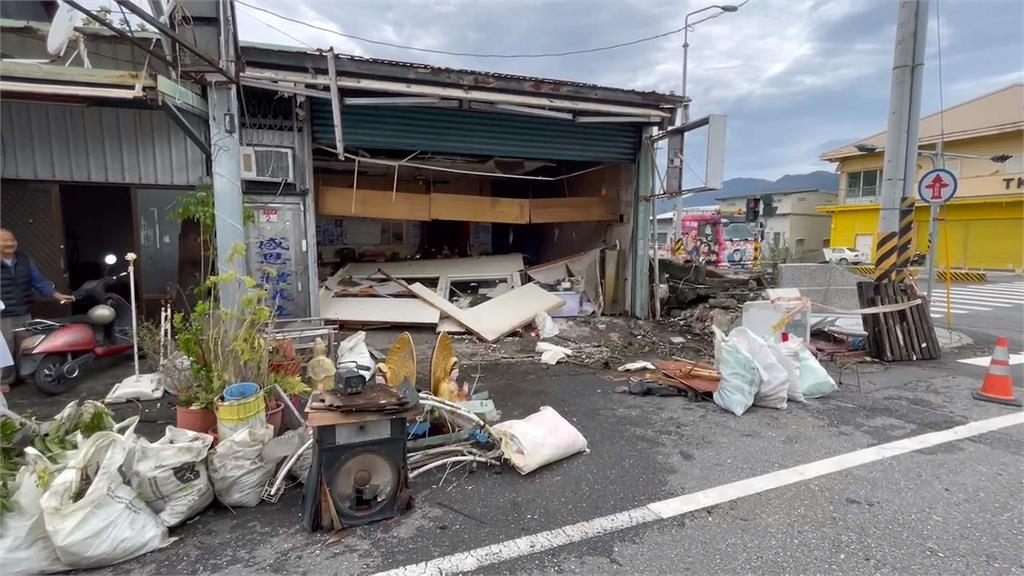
[[267, 164]]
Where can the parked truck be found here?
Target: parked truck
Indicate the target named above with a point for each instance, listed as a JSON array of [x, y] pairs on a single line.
[[715, 240]]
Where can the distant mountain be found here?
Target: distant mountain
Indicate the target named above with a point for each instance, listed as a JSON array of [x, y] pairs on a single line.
[[740, 187]]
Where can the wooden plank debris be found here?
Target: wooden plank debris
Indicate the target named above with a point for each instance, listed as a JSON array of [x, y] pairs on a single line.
[[901, 335], [466, 208], [498, 316], [574, 209], [338, 201]]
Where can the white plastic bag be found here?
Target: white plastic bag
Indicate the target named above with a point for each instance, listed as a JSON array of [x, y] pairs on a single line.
[[546, 327], [539, 439], [771, 391], [550, 353], [815, 381], [353, 353], [237, 468], [106, 524], [740, 379], [787, 355], [170, 474], [25, 546]]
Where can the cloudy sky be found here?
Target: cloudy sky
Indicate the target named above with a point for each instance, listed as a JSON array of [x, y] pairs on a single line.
[[794, 77]]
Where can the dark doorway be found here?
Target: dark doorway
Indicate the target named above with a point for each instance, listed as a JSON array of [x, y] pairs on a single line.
[[97, 221], [445, 239]]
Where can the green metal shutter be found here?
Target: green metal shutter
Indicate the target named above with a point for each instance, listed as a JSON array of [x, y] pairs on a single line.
[[478, 133]]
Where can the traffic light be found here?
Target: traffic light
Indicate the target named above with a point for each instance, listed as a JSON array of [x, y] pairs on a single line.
[[753, 209], [768, 205]]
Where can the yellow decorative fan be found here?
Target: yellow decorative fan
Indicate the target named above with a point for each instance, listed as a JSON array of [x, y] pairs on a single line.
[[400, 363], [444, 371]]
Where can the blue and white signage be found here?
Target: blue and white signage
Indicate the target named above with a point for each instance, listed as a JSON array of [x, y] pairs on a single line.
[[937, 186]]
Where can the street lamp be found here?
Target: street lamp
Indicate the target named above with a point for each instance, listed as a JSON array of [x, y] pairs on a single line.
[[937, 155], [686, 44]]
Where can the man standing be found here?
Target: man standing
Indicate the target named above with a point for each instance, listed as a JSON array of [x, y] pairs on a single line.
[[19, 276]]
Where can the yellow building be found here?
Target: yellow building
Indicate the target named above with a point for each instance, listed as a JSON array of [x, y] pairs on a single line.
[[983, 226]]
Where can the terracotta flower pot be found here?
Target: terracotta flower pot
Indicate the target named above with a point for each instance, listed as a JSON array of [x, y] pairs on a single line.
[[196, 419], [275, 415]]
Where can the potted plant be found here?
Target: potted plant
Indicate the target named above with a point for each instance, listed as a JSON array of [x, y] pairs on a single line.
[[224, 345]]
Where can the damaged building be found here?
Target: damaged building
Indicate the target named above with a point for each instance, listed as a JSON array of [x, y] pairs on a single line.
[[470, 183]]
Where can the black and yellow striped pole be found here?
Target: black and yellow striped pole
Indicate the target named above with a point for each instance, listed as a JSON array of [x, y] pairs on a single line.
[[885, 256], [905, 249]]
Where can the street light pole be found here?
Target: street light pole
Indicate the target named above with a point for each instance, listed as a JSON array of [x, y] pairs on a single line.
[[938, 161], [686, 46]]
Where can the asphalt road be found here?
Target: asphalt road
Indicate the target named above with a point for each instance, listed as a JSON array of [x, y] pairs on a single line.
[[984, 311], [951, 509]]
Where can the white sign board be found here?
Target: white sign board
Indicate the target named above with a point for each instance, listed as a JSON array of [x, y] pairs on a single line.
[[937, 186]]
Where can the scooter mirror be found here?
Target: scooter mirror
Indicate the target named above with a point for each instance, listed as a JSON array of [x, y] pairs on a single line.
[[110, 259]]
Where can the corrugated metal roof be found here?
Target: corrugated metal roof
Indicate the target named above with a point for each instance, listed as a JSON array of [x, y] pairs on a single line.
[[477, 133], [305, 59]]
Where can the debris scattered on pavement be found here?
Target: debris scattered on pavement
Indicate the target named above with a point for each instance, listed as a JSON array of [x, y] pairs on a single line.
[[635, 366]]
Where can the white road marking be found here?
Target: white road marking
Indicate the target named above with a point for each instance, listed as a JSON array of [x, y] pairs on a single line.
[[942, 309], [573, 533], [956, 304], [973, 300], [997, 297], [990, 289], [984, 360]]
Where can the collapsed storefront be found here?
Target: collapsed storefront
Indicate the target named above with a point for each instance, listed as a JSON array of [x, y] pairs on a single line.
[[434, 163]]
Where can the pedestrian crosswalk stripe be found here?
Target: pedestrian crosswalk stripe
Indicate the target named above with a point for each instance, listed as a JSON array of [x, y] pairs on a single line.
[[979, 291], [974, 301], [943, 310], [990, 289], [957, 305], [984, 360]]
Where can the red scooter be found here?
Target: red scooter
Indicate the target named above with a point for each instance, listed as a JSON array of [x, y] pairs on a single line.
[[56, 350]]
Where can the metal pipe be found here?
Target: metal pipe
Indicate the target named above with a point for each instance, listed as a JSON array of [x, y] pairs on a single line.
[[454, 459], [938, 160], [339, 139]]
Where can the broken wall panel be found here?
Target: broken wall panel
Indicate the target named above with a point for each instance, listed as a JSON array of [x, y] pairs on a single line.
[[358, 310]]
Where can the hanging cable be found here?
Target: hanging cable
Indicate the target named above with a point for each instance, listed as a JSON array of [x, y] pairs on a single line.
[[276, 29], [942, 103], [474, 54]]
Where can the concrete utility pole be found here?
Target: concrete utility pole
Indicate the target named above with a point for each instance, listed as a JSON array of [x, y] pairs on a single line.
[[899, 173], [222, 96]]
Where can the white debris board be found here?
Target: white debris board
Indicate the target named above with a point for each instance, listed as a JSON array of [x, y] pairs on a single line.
[[498, 316]]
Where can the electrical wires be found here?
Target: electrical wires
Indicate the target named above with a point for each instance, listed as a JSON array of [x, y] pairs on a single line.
[[468, 54]]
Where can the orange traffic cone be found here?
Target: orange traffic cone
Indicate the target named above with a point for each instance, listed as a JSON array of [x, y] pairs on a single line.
[[998, 385]]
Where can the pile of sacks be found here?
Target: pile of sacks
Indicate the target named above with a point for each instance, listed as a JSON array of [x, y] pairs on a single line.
[[114, 497], [760, 373]]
